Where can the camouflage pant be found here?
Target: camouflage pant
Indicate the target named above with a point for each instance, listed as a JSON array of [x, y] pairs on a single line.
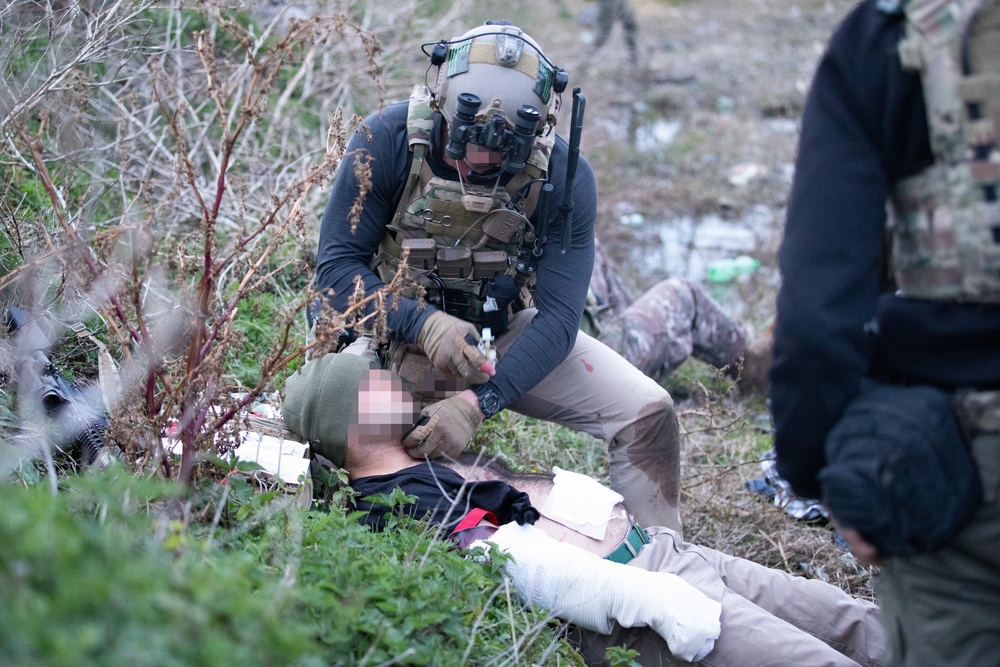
[[609, 11], [675, 319]]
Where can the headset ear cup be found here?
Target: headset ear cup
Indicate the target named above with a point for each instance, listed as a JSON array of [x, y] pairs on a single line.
[[560, 81], [439, 53]]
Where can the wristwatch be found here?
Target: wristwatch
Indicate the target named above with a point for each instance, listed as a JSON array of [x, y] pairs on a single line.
[[489, 400]]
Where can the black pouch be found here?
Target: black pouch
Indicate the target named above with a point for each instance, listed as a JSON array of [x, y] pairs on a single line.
[[499, 294], [898, 470]]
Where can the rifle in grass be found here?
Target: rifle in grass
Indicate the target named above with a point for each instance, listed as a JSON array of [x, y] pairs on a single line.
[[69, 417]]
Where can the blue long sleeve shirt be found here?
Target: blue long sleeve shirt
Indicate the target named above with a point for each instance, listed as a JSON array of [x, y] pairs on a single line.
[[562, 278]]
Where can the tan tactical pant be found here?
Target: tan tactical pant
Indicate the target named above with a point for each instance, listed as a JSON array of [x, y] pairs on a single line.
[[769, 617], [596, 391]]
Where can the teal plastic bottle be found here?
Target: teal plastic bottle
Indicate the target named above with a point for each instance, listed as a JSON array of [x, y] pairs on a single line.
[[729, 269]]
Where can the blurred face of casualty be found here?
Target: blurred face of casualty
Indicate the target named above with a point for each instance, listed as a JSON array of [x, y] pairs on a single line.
[[386, 411]]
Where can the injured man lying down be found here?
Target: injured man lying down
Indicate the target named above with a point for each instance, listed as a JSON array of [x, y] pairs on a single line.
[[576, 552]]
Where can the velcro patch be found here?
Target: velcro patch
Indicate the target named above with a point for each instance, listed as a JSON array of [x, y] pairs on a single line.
[[458, 58]]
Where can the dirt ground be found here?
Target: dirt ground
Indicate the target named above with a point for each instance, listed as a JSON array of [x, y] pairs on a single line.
[[704, 129]]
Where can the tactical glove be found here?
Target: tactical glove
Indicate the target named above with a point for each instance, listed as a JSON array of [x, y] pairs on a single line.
[[444, 428], [451, 345]]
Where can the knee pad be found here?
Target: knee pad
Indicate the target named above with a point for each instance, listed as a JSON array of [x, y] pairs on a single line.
[[654, 432]]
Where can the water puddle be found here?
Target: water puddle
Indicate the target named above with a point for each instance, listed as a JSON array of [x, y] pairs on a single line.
[[685, 247], [656, 134]]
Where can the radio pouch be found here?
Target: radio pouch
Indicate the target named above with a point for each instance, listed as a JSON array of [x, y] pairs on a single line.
[[422, 253], [454, 262], [500, 292]]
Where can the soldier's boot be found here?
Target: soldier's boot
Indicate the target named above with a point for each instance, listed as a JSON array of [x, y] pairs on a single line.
[[717, 339], [753, 377]]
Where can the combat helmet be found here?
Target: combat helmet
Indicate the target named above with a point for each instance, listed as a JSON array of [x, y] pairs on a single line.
[[492, 72]]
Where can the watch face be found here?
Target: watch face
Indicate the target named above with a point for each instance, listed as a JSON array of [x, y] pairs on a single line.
[[489, 403]]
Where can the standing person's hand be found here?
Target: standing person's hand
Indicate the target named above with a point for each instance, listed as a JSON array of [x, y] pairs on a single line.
[[866, 552], [452, 346]]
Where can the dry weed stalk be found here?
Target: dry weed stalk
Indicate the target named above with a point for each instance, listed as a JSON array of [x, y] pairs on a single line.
[[199, 186], [721, 454]]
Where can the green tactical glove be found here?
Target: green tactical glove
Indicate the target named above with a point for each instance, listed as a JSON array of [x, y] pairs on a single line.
[[451, 345], [444, 428]]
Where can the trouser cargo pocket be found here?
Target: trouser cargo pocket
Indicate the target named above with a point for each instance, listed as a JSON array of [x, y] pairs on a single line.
[[979, 416]]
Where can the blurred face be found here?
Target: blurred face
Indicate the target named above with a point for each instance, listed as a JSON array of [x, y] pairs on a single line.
[[386, 411], [482, 159]]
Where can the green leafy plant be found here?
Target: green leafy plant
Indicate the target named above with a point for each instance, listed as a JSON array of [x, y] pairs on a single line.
[[101, 575], [85, 580], [619, 656]]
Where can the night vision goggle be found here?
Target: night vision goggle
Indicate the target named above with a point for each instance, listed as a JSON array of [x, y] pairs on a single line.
[[492, 133], [492, 130]]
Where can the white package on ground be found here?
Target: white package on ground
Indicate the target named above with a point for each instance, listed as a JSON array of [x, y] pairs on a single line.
[[285, 459]]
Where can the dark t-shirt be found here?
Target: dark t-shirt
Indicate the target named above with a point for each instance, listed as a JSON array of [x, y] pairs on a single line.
[[562, 278], [443, 497], [863, 129]]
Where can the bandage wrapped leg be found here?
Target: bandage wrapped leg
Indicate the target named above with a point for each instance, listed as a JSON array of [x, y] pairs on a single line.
[[582, 588]]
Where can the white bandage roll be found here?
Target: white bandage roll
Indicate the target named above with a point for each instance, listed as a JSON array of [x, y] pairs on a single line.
[[582, 588]]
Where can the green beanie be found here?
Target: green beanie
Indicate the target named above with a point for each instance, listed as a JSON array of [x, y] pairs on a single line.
[[321, 399]]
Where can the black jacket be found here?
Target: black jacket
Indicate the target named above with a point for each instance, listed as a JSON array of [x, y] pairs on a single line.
[[442, 497], [864, 128]]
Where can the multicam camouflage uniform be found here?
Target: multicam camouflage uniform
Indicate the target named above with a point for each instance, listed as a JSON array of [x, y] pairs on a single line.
[[609, 11], [673, 320]]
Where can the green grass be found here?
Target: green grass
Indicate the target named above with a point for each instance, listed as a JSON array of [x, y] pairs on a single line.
[[108, 572], [531, 445]]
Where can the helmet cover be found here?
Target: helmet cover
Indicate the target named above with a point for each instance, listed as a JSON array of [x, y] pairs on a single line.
[[501, 65]]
